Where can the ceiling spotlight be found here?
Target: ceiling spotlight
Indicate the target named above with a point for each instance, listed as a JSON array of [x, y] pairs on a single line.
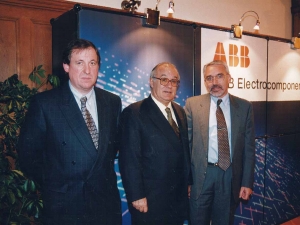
[[130, 5], [256, 27], [170, 10], [238, 29], [153, 16]]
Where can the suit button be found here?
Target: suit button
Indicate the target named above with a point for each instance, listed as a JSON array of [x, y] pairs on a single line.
[[63, 143], [73, 163]]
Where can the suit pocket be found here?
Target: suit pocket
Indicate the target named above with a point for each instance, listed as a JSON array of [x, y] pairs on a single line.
[[54, 197], [56, 187]]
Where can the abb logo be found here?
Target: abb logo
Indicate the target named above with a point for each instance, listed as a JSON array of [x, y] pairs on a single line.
[[236, 56]]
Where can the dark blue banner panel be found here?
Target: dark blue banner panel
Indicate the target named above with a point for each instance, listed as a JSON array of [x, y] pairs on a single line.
[[260, 118], [252, 212], [283, 117], [282, 179], [130, 50]]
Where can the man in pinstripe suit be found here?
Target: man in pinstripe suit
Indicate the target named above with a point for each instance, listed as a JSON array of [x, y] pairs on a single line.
[[56, 148]]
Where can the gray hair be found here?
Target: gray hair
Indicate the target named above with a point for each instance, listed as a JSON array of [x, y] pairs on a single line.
[[216, 62]]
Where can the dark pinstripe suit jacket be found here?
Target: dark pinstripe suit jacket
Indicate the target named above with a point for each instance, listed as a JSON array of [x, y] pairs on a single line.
[[56, 149]]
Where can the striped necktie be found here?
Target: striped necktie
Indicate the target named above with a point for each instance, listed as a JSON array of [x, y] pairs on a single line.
[[172, 122], [223, 144]]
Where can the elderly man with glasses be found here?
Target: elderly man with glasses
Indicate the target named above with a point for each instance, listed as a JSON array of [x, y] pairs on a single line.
[[154, 153]]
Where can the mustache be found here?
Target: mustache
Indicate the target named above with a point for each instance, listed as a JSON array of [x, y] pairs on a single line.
[[216, 86]]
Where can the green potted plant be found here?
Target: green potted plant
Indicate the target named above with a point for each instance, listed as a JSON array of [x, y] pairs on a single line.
[[20, 201]]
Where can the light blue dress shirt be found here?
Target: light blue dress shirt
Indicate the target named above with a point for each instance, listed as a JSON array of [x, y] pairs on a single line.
[[213, 131]]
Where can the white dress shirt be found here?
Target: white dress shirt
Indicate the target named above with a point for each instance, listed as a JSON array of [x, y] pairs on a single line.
[[162, 108], [90, 103]]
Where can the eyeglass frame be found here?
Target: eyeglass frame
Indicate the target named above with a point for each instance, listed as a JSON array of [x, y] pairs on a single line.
[[218, 77], [172, 81]]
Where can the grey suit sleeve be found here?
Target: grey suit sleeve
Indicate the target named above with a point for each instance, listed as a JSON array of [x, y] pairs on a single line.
[[188, 113], [249, 151]]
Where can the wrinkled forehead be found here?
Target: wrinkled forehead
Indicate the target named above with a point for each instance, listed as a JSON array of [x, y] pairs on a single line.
[[83, 51]]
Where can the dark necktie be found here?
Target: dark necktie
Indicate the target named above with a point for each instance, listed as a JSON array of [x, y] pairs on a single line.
[[89, 121], [172, 122], [223, 144]]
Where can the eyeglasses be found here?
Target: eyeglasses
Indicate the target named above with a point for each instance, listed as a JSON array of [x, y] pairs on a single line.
[[218, 77], [165, 81]]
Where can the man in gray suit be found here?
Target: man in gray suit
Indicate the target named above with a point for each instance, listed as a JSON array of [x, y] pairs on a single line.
[[217, 190], [74, 164]]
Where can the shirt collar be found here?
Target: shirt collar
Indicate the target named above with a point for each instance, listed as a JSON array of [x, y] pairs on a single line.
[[160, 105], [225, 99], [78, 95]]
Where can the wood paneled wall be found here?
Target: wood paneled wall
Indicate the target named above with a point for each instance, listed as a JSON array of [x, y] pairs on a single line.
[[26, 35]]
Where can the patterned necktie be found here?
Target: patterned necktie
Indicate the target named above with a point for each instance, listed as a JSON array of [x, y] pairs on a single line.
[[223, 144], [89, 121], [172, 122]]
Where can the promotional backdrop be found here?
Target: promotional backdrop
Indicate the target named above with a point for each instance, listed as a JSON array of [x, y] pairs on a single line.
[[265, 72]]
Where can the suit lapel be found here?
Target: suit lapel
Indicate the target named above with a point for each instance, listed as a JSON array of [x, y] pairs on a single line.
[[182, 124], [179, 117], [203, 118], [150, 109], [72, 113], [234, 112], [102, 106]]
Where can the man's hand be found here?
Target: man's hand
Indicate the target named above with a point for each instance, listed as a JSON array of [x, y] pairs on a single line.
[[245, 193], [141, 205]]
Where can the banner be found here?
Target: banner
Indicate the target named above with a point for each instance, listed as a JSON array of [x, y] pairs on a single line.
[[284, 72], [246, 59]]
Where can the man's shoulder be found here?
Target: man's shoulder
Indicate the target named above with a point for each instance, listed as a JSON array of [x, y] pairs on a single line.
[[136, 106], [106, 94], [133, 110], [198, 98], [49, 94], [239, 100]]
